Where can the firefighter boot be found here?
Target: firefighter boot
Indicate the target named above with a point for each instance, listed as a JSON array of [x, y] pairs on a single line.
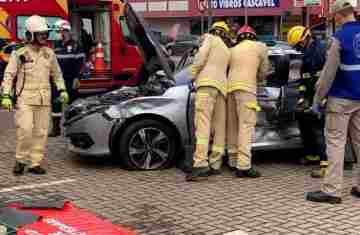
[[56, 129], [320, 173], [198, 174], [320, 196], [250, 173], [348, 166], [19, 168], [37, 170], [355, 192]]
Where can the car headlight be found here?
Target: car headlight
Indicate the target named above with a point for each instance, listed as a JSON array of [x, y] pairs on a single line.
[[112, 112]]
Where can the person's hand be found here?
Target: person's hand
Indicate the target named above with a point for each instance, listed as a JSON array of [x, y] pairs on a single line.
[[7, 103], [64, 97], [192, 87], [316, 109], [76, 84], [317, 84]]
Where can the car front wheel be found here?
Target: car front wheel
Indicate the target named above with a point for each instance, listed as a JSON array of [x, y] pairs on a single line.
[[147, 145]]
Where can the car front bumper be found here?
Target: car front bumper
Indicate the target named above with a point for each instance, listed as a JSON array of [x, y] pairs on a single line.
[[89, 135]]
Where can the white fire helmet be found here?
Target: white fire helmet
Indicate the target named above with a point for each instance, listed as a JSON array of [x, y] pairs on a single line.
[[35, 24], [62, 25]]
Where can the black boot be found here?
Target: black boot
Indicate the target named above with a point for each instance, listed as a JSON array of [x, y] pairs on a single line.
[[37, 170], [214, 171], [19, 168], [355, 192], [56, 129], [320, 196], [250, 173], [348, 166], [198, 174]]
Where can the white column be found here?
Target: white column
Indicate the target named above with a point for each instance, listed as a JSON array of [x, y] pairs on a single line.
[[276, 26]]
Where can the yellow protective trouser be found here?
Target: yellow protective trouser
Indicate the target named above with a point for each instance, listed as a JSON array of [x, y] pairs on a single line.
[[210, 115], [32, 125], [342, 116], [241, 121]]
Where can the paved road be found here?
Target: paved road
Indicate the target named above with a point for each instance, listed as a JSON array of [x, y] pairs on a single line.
[[160, 202]]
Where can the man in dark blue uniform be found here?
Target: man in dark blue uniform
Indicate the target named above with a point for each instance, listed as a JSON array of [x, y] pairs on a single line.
[[311, 127], [71, 58]]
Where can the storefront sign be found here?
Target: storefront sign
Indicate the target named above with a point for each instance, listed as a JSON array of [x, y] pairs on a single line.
[[14, 1], [312, 2], [298, 3], [233, 4]]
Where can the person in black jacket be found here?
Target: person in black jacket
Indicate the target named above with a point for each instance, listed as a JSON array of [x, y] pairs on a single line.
[[311, 126]]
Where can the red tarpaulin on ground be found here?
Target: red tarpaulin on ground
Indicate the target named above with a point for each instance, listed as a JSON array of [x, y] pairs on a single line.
[[69, 221]]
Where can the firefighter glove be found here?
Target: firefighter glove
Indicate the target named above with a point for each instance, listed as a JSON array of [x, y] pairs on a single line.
[[64, 97], [6, 103], [76, 84], [317, 110]]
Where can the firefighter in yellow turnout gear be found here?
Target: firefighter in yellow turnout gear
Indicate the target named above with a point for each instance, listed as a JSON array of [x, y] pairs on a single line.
[[249, 63], [32, 66], [210, 72]]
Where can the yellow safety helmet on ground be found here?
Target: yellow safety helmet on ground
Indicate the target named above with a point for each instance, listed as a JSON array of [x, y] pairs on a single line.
[[220, 25], [297, 34]]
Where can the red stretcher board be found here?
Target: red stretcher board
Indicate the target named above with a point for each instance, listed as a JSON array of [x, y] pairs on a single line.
[[69, 221]]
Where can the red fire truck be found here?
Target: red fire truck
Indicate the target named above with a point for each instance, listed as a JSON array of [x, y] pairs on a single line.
[[128, 49]]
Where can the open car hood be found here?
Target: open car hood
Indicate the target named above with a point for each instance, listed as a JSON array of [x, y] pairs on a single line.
[[154, 56]]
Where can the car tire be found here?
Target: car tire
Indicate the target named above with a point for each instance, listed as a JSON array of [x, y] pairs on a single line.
[[147, 145]]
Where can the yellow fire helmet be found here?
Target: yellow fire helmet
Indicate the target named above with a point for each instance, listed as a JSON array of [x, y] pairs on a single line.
[[297, 34], [220, 25]]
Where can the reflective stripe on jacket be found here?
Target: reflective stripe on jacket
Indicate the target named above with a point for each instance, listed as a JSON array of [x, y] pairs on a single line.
[[71, 58]]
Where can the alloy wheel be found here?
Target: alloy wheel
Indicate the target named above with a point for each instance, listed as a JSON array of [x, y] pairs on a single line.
[[149, 148]]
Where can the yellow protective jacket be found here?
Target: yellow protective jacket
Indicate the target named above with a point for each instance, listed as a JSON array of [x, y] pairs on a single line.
[[249, 62], [211, 63], [33, 68]]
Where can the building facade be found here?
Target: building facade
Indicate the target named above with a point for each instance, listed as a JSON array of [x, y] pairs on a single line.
[[270, 18]]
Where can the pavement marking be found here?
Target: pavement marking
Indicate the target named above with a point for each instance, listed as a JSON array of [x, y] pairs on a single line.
[[237, 232], [32, 186]]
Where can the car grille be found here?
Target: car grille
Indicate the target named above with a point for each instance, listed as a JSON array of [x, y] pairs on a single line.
[[81, 140], [72, 112]]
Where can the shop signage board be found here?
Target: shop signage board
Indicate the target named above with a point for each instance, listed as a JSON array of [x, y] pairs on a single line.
[[299, 3], [234, 4], [312, 2], [304, 3]]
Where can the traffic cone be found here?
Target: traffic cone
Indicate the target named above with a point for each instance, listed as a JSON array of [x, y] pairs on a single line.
[[99, 58]]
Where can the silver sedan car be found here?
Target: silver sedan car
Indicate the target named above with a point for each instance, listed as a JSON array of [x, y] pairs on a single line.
[[150, 125]]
